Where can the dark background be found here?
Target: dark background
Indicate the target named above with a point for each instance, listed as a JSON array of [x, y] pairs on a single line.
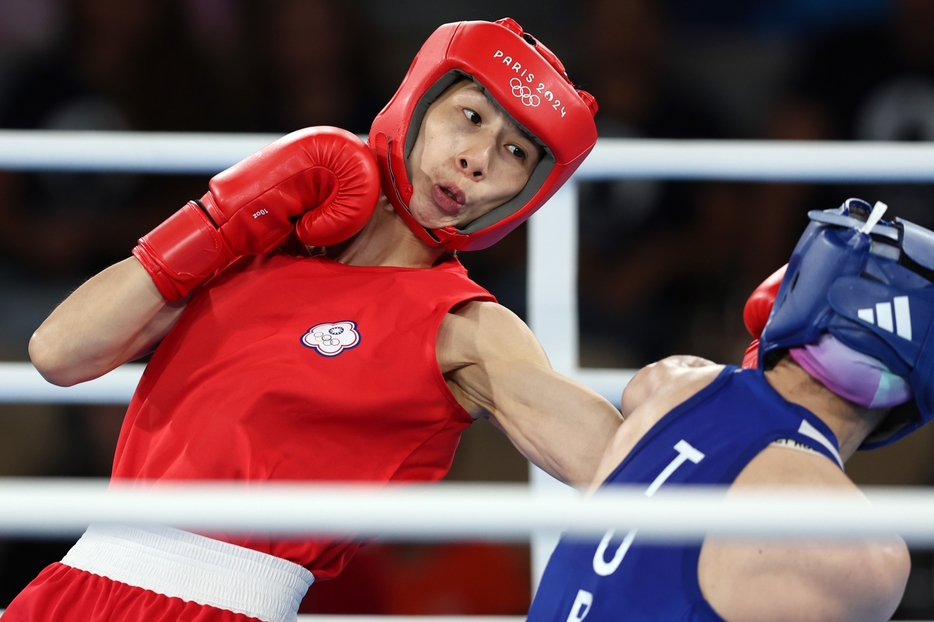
[[665, 267]]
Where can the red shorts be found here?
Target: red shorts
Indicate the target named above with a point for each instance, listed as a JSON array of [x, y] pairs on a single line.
[[121, 574]]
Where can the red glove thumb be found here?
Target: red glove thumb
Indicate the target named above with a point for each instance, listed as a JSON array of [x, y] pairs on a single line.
[[760, 303], [347, 187], [751, 357], [756, 313]]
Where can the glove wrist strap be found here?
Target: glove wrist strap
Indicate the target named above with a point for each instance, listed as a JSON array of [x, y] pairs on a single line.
[[183, 251]]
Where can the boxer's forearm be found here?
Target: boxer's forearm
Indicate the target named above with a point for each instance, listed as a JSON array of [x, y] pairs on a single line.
[[115, 317], [563, 427]]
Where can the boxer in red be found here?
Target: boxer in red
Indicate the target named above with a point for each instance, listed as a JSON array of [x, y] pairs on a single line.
[[360, 358]]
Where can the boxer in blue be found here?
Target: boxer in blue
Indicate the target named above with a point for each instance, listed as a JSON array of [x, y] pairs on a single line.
[[845, 362]]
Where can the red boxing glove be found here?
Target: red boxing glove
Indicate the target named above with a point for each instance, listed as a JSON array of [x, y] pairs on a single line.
[[751, 356], [756, 313], [326, 178]]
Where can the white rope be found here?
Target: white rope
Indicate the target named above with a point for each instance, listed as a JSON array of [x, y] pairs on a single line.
[[21, 383], [738, 160], [761, 160], [32, 507], [143, 152]]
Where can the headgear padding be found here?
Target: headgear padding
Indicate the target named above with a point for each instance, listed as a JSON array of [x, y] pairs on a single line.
[[527, 80], [874, 292]]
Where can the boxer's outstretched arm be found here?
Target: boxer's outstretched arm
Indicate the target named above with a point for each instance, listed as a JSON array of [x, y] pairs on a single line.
[[115, 317], [498, 368]]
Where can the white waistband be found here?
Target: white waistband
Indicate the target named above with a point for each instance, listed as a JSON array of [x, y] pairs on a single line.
[[194, 568]]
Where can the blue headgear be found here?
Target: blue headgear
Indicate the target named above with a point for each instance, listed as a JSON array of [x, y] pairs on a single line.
[[874, 292]]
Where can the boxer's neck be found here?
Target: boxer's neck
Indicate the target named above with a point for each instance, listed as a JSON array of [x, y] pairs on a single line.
[[850, 423]]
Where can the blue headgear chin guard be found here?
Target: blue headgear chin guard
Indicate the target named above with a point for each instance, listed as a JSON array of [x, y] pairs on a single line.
[[871, 289]]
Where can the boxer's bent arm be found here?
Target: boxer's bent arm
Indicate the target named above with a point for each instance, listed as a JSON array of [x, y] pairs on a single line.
[[499, 369], [115, 317]]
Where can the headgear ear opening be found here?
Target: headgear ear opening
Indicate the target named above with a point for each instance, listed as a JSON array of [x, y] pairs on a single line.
[[526, 80]]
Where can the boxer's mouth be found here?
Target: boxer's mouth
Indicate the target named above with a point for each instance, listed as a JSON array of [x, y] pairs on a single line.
[[448, 197]]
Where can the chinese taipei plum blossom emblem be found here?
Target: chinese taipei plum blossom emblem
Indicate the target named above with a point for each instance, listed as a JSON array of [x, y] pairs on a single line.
[[332, 338]]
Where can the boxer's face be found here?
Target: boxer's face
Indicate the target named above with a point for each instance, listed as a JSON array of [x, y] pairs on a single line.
[[468, 158]]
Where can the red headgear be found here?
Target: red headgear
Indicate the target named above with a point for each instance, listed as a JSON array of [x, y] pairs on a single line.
[[527, 80]]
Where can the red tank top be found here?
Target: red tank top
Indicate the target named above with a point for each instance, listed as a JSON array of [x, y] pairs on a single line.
[[300, 368]]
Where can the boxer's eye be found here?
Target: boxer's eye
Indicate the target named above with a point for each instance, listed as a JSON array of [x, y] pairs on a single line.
[[517, 151], [472, 116]]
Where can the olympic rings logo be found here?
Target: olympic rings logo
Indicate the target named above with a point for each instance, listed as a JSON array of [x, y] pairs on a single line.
[[324, 339], [524, 93]]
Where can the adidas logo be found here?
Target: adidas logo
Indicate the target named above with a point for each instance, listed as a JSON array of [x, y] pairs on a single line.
[[882, 316]]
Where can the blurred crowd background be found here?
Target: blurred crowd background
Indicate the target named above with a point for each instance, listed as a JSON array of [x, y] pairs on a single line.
[[665, 267]]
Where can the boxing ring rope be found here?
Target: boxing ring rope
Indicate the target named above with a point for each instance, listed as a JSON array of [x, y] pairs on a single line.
[[512, 512], [733, 160], [31, 507]]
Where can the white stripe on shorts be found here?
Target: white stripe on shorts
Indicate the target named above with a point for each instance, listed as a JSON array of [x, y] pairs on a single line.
[[194, 568]]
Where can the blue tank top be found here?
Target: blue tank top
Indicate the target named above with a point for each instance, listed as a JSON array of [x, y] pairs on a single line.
[[706, 440]]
